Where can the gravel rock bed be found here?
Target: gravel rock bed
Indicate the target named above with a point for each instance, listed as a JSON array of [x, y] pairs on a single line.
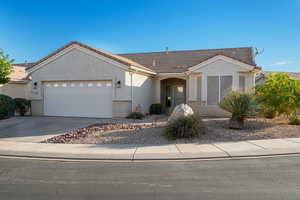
[[255, 129], [94, 130], [152, 133]]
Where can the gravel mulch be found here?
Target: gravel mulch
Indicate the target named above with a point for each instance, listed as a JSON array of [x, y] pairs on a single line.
[[152, 133]]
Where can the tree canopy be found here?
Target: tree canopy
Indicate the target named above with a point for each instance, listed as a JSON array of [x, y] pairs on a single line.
[[5, 67], [279, 93]]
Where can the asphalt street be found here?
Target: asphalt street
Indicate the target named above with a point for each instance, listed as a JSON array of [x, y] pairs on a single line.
[[267, 178]]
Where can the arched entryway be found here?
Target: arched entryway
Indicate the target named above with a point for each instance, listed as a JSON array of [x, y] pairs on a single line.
[[173, 93]]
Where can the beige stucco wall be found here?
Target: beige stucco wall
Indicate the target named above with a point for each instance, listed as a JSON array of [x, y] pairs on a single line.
[[142, 92], [208, 111], [80, 65], [15, 90], [37, 107], [219, 68], [121, 108]]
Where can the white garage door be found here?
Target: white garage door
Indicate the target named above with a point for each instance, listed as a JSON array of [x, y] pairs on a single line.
[[78, 99]]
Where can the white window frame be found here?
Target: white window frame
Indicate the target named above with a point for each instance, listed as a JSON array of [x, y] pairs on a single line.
[[219, 75]]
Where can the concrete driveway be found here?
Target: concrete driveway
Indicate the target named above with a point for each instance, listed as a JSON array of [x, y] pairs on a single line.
[[36, 129]]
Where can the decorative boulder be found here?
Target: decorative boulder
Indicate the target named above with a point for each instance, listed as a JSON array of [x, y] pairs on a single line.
[[181, 110]]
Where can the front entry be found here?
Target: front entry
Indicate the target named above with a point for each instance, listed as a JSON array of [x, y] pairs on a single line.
[[173, 93]]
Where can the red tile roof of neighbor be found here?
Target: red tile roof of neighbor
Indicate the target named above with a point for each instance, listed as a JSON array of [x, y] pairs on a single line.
[[161, 62]]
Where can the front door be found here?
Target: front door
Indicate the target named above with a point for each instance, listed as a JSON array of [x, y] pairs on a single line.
[[175, 95], [179, 96]]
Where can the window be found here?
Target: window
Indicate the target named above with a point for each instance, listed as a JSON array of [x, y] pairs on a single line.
[[213, 90], [217, 88], [226, 85], [242, 83]]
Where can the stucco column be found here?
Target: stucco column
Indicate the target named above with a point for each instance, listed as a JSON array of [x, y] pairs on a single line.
[[192, 87], [235, 81], [157, 87]]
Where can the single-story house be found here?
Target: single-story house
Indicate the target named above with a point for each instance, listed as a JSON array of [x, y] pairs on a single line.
[[81, 81]]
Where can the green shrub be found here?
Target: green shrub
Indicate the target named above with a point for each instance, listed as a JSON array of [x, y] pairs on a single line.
[[279, 93], [136, 115], [185, 127], [155, 109], [294, 120], [22, 106], [6, 106], [241, 106]]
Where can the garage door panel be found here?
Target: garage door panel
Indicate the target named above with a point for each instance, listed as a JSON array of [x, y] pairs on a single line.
[[78, 99]]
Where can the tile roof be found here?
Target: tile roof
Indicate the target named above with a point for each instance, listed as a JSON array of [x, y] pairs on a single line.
[[180, 61], [165, 62], [115, 57]]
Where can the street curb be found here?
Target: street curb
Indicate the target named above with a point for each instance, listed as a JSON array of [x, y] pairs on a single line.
[[152, 159]]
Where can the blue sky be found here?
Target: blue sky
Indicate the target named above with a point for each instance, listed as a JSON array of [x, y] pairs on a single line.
[[29, 30]]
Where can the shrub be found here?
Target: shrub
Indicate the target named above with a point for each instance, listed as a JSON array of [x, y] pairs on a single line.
[[294, 120], [155, 109], [280, 93], [185, 127], [5, 67], [22, 106], [268, 113], [241, 106], [136, 115], [6, 106]]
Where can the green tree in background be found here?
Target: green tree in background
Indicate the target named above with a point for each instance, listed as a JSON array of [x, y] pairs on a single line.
[[280, 93], [5, 67]]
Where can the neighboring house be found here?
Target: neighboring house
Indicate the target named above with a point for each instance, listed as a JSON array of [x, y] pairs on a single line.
[[78, 80], [18, 84], [261, 77]]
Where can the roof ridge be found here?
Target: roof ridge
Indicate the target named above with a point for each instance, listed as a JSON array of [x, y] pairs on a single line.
[[175, 51], [116, 57]]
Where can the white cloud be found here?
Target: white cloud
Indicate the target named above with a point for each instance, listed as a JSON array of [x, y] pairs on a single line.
[[280, 63]]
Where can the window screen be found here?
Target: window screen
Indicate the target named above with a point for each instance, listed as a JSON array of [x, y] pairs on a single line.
[[212, 90], [199, 88], [242, 83], [226, 85]]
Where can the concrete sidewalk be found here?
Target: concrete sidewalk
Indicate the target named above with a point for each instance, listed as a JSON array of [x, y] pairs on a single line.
[[251, 148]]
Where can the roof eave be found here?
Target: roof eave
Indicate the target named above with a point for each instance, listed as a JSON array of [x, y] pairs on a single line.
[[142, 70]]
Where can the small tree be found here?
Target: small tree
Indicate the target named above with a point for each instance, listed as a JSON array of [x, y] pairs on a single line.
[[5, 67], [241, 106], [280, 93]]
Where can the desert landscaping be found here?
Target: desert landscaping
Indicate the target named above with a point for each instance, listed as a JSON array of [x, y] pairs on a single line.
[[153, 132]]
